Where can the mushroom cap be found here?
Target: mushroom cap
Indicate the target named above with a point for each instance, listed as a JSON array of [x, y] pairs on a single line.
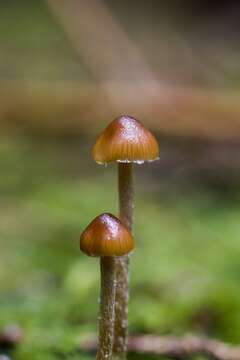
[[106, 236], [125, 139]]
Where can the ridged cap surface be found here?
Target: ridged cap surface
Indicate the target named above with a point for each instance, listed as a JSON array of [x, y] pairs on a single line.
[[125, 139], [106, 236]]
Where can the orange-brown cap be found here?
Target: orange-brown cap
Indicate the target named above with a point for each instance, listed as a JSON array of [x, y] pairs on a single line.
[[125, 139], [106, 236]]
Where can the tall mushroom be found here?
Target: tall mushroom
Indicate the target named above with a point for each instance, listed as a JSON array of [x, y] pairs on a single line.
[[125, 141], [106, 237]]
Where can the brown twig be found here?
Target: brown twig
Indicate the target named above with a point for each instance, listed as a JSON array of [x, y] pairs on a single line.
[[177, 347]]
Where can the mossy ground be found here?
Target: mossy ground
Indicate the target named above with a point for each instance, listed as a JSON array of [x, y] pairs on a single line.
[[184, 270]]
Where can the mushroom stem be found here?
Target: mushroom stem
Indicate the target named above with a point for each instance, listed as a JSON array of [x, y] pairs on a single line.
[[125, 188], [106, 317], [125, 183]]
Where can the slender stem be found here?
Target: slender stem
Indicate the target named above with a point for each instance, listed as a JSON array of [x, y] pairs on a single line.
[[107, 299], [125, 179], [125, 188]]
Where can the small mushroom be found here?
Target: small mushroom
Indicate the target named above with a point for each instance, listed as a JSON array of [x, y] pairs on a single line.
[[106, 237], [125, 140]]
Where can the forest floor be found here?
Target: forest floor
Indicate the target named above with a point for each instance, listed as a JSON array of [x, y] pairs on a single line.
[[184, 270]]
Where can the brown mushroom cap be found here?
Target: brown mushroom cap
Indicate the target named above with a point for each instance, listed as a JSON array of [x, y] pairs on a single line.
[[125, 139], [106, 236]]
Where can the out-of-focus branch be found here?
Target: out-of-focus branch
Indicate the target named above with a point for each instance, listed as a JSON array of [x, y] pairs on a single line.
[[101, 42], [125, 82], [177, 347], [82, 108]]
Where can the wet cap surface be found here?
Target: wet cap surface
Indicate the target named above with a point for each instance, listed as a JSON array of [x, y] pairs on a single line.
[[125, 139], [106, 236]]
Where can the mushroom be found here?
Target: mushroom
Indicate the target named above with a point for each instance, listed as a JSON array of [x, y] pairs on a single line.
[[106, 237], [125, 141]]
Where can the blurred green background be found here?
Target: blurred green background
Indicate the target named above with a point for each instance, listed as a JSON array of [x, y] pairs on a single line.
[[185, 268]]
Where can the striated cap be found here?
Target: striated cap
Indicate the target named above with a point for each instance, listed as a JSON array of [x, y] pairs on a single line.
[[125, 139], [106, 236]]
